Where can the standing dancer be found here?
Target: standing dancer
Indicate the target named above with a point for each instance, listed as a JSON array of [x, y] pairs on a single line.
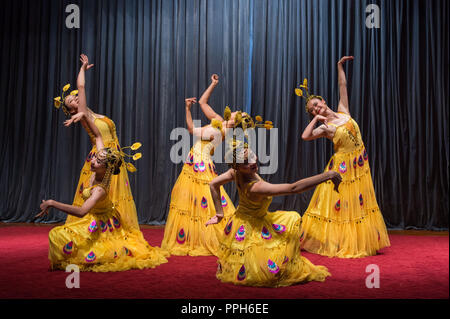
[[261, 248], [98, 240], [120, 191], [347, 224], [191, 203]]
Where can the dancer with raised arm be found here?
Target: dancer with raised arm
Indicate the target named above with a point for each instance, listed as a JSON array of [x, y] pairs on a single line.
[[119, 191], [258, 247], [98, 240], [191, 204], [347, 224]]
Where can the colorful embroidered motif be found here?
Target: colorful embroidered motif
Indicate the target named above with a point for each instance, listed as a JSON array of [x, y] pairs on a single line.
[[279, 228], [224, 201], [286, 259], [110, 227], [202, 167], [128, 252], [360, 161], [181, 237], [331, 164], [204, 203], [302, 236], [93, 226], [81, 189], [337, 207], [366, 156], [354, 162], [195, 167], [67, 249], [265, 233], [240, 234], [103, 226], [116, 222], [90, 257], [241, 274], [342, 167], [115, 254], [227, 229], [190, 161], [361, 202], [273, 268]]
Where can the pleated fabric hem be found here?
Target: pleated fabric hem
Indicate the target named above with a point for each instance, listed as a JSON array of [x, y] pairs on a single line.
[[298, 271], [124, 263], [358, 238]]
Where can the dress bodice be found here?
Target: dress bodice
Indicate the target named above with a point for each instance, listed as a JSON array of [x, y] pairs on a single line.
[[102, 206], [202, 150], [347, 137], [250, 207], [107, 129]]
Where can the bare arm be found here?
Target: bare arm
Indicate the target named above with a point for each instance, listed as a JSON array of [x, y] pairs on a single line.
[[206, 108], [81, 83], [98, 193], [207, 132], [89, 125], [312, 133], [214, 187], [342, 82], [189, 122], [263, 188]]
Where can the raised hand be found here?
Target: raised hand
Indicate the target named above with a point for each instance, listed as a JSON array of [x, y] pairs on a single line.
[[215, 78], [85, 62], [189, 101], [344, 59]]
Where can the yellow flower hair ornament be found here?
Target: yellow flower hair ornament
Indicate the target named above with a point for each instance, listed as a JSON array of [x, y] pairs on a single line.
[[306, 95], [216, 124], [245, 121], [130, 167], [58, 101], [227, 113]]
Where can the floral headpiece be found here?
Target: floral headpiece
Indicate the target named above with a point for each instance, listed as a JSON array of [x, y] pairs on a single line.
[[59, 100], [236, 153], [244, 120], [306, 96], [113, 157]]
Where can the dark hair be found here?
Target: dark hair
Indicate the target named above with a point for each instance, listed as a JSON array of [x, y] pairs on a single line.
[[111, 159], [117, 168]]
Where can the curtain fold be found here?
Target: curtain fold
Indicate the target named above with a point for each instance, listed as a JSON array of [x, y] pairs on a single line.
[[150, 55]]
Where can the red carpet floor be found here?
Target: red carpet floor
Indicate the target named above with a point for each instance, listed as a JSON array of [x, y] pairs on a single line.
[[413, 267]]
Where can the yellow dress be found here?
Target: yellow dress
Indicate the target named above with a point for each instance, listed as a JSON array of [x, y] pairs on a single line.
[[191, 206], [119, 189], [100, 242], [347, 224], [261, 248]]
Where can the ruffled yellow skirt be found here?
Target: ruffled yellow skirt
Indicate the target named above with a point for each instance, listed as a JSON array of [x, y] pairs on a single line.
[[101, 243], [191, 207], [265, 251], [119, 191], [347, 224]]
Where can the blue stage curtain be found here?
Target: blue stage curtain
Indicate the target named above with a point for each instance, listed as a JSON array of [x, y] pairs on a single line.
[[150, 55]]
